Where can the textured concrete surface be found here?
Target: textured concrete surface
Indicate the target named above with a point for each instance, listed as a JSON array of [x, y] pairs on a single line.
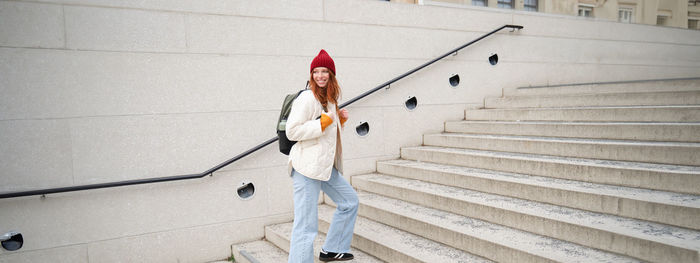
[[666, 131], [608, 113], [632, 174], [527, 186], [260, 251], [31, 25], [394, 245], [281, 234], [499, 243], [608, 99], [681, 153], [619, 87], [649, 241]]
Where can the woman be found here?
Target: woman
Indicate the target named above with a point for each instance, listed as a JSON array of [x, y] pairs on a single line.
[[315, 162]]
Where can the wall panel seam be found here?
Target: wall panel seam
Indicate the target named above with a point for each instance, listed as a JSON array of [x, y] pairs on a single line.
[[196, 226], [386, 106], [44, 249], [65, 29], [418, 60]]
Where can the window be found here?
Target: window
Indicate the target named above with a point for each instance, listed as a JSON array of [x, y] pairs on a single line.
[[531, 5], [585, 10], [479, 2], [625, 15], [661, 20], [507, 4], [693, 24]]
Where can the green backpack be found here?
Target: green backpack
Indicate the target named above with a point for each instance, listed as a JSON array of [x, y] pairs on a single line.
[[284, 142]]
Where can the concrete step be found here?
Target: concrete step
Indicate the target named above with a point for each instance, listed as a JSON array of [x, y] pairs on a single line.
[[281, 235], [651, 176], [258, 252], [671, 132], [636, 151], [594, 114], [620, 87], [636, 238], [492, 241], [605, 99], [394, 245], [587, 196]]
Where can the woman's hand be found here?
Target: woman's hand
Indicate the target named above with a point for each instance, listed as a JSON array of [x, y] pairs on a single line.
[[326, 120], [343, 114]]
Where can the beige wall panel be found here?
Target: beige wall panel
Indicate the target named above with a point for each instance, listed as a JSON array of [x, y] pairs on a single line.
[[134, 147], [251, 35], [90, 216], [59, 84], [646, 33], [480, 51], [362, 74], [70, 254], [197, 244], [300, 9], [432, 86], [406, 128], [643, 53], [93, 28], [31, 25], [477, 79], [355, 146], [278, 187], [32, 83], [408, 15], [576, 27], [35, 154], [266, 157], [489, 81], [534, 49], [243, 35], [536, 74], [563, 73], [363, 165]]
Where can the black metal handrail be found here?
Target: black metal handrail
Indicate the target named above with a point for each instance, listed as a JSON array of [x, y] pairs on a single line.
[[246, 153]]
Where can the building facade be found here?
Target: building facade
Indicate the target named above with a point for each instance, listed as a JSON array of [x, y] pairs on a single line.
[[672, 13]]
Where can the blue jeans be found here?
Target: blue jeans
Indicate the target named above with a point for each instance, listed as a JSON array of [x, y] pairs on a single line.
[[306, 192]]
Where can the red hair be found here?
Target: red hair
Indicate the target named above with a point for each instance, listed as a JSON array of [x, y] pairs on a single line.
[[332, 90]]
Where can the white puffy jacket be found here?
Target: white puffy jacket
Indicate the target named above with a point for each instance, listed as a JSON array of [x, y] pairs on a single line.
[[316, 151]]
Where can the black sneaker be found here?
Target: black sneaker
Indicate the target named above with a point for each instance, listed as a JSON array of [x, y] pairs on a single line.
[[330, 256]]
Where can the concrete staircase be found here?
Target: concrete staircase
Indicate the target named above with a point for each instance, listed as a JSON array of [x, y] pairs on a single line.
[[580, 173]]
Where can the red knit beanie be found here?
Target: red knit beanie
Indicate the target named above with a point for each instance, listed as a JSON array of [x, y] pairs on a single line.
[[323, 60]]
